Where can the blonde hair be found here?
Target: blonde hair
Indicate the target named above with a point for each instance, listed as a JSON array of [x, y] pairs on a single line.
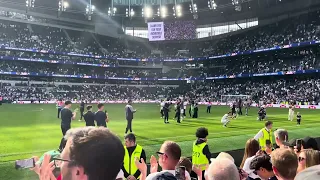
[[312, 157]]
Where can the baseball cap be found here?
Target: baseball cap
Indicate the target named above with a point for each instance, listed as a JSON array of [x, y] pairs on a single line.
[[310, 173], [309, 142]]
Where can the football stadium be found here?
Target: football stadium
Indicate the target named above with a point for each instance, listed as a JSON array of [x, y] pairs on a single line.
[[159, 89]]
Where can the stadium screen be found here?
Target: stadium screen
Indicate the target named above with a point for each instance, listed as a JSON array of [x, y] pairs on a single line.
[[176, 30]]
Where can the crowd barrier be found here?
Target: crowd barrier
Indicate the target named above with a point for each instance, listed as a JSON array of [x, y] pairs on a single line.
[[156, 101]]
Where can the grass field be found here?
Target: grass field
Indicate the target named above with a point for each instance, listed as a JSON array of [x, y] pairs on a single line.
[[28, 130]]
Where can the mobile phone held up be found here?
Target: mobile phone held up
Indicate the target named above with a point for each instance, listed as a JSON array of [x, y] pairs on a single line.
[[25, 163], [180, 173], [298, 144]]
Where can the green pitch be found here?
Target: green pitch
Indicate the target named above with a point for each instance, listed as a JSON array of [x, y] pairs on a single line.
[[28, 130]]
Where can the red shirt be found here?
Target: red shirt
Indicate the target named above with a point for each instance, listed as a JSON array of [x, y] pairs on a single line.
[[59, 177]]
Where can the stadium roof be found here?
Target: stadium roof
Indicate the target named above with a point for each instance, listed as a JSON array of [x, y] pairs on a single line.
[[226, 10]]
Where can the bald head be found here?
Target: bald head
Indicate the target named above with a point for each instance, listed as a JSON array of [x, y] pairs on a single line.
[[222, 169]]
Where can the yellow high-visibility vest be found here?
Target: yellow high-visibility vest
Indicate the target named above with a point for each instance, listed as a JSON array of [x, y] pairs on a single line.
[[198, 158], [128, 161], [266, 136]]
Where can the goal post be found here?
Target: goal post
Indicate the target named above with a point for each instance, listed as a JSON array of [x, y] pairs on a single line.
[[231, 98]]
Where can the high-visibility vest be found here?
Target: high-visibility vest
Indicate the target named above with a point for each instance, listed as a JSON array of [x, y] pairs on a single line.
[[266, 136], [198, 158], [128, 161]]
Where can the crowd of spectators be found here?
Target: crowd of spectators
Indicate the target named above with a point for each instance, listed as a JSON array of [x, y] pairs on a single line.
[[285, 161], [286, 61]]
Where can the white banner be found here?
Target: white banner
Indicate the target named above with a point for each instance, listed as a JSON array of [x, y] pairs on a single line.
[[155, 31]]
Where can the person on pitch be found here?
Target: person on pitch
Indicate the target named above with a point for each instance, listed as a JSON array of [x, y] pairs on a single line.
[[291, 112], [89, 116], [161, 108], [66, 116], [225, 120], [59, 106], [129, 116], [166, 110], [209, 104], [82, 104], [298, 118]]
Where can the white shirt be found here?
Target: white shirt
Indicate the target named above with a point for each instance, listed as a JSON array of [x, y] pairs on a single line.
[[246, 168], [152, 175], [161, 105], [260, 134], [120, 175], [225, 118], [185, 105]]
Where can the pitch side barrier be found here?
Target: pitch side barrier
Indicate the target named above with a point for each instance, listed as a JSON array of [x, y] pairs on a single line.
[[155, 101]]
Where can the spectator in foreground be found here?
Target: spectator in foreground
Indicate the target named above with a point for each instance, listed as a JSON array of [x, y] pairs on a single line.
[[132, 151], [222, 169], [281, 137], [251, 148], [310, 173], [83, 158], [262, 167], [308, 158], [284, 164], [169, 156], [184, 161], [200, 152], [309, 143]]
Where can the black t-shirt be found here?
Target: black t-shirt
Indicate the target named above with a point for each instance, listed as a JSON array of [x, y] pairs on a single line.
[[101, 117], [82, 105], [89, 118], [66, 116]]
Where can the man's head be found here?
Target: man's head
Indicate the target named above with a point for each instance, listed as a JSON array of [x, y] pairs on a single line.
[[229, 113], [268, 124], [222, 169], [130, 140], [262, 166], [67, 104], [169, 155], [309, 143], [91, 153], [202, 133], [100, 106], [284, 163], [89, 108], [130, 102], [281, 136]]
